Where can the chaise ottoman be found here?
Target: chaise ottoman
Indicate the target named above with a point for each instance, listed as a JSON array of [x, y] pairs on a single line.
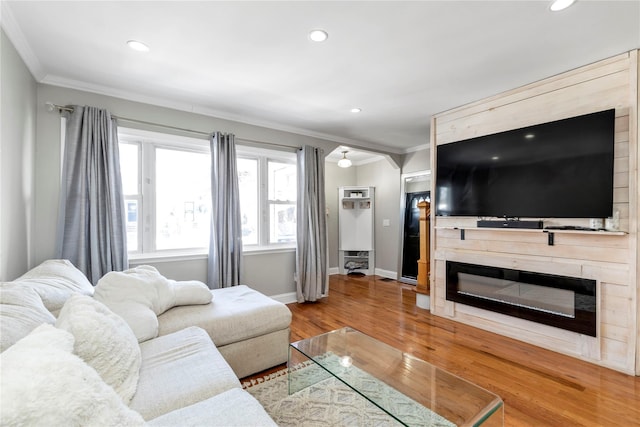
[[250, 330]]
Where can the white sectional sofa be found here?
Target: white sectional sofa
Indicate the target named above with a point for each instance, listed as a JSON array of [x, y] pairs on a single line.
[[250, 329], [87, 366]]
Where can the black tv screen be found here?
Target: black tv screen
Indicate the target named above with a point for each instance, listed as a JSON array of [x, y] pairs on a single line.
[[561, 169]]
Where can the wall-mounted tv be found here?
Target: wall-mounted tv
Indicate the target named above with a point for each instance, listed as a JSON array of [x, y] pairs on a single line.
[[561, 169]]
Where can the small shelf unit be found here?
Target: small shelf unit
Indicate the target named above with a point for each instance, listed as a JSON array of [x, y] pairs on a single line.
[[356, 230]]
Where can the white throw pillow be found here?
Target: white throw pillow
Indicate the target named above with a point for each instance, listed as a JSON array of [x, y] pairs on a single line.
[[21, 311], [142, 284], [55, 280], [104, 341], [43, 383], [140, 318], [190, 292]]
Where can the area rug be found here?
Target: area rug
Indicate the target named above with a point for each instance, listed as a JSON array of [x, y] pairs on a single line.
[[329, 402]]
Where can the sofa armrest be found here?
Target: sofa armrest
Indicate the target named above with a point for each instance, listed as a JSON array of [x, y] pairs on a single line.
[[233, 408]]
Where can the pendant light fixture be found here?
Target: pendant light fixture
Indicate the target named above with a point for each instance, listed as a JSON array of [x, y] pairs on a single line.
[[344, 162], [558, 5]]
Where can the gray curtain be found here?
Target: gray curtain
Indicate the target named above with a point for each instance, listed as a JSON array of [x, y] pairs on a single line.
[[225, 245], [91, 227], [312, 275]]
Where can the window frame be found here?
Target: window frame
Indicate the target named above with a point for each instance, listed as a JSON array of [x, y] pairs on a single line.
[[147, 143], [263, 156]]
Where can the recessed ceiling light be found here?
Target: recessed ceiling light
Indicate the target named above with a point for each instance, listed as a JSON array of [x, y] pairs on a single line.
[[529, 136], [318, 35], [558, 5], [137, 45], [495, 158], [356, 110]]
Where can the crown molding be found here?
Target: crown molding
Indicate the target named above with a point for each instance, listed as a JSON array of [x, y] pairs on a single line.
[[15, 34], [416, 148], [206, 111]]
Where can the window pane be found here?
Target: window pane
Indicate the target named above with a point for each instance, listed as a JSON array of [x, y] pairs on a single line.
[[282, 223], [248, 188], [129, 173], [282, 181], [129, 168], [132, 225], [183, 199]]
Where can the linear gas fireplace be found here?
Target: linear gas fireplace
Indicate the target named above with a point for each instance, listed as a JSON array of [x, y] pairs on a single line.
[[564, 302]]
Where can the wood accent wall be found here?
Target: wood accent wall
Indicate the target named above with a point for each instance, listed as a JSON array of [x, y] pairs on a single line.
[[609, 258]]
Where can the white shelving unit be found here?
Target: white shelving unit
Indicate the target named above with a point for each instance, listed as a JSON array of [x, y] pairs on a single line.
[[356, 230]]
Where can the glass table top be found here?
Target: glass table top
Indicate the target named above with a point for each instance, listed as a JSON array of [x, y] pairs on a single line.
[[403, 386]]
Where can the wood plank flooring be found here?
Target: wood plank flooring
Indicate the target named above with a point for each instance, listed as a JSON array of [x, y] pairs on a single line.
[[538, 387]]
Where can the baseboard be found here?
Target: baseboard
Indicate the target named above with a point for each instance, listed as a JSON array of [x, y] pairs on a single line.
[[386, 273], [334, 270], [287, 298]]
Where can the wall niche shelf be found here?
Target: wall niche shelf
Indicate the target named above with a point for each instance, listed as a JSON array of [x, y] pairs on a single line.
[[356, 230]]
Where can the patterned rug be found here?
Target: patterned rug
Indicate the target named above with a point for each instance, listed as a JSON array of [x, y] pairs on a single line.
[[328, 402]]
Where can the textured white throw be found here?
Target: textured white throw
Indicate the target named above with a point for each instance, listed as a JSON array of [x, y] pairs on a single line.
[[104, 341], [43, 383], [140, 294], [21, 311], [55, 280]]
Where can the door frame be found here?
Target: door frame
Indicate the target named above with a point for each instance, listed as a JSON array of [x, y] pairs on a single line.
[[403, 201]]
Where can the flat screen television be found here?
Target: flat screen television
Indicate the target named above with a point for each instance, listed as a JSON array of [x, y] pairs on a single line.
[[561, 169]]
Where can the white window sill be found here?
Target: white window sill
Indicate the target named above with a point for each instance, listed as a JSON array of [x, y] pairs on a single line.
[[172, 256], [168, 256], [257, 250]]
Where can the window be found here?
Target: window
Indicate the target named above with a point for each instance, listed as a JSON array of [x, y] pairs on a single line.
[[167, 185], [282, 201], [267, 185], [166, 182]]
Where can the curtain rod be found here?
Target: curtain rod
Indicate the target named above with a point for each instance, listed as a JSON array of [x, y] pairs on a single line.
[[51, 106]]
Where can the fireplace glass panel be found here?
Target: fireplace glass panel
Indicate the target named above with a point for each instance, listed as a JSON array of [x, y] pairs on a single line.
[[534, 297], [564, 302]]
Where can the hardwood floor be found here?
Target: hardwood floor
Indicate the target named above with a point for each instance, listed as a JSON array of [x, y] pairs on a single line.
[[539, 387]]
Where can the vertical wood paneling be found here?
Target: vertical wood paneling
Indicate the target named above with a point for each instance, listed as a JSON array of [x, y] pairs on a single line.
[[634, 190], [611, 260]]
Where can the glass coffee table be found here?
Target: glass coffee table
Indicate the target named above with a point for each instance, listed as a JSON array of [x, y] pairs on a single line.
[[410, 390]]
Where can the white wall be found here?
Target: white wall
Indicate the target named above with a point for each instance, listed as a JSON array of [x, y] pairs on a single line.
[[386, 180], [18, 117], [416, 161], [335, 177]]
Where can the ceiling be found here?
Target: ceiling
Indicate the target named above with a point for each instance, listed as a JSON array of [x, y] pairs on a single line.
[[400, 62]]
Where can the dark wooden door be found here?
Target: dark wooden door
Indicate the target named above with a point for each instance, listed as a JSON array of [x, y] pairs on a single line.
[[411, 240]]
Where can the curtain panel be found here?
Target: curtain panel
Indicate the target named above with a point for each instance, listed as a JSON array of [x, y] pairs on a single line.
[[91, 225], [312, 274], [225, 245]]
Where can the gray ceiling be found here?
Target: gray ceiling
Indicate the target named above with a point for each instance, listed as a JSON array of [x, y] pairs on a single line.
[[400, 62]]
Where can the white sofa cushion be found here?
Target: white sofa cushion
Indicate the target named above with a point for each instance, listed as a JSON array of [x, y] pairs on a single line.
[[235, 314], [55, 280], [104, 341], [190, 292], [21, 311], [178, 370], [233, 408], [44, 383]]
